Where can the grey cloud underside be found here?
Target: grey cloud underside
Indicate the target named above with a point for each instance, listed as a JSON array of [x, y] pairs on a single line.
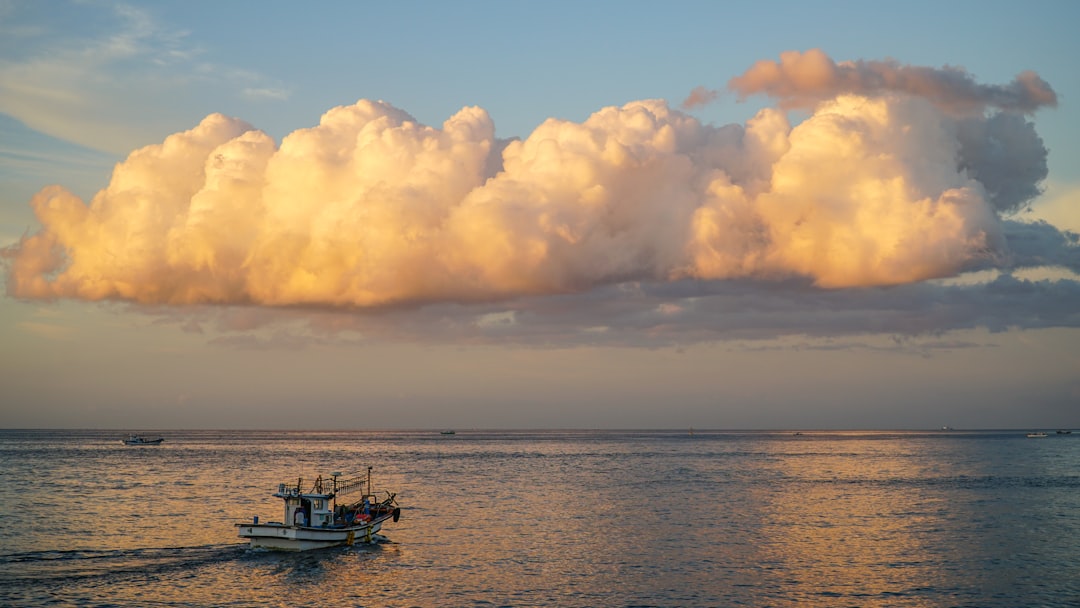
[[700, 312], [748, 311], [1035, 244], [683, 313]]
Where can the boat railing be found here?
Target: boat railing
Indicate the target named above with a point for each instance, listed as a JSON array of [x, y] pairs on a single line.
[[350, 485], [333, 485]]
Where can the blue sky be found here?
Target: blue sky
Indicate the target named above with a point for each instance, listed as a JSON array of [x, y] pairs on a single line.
[[640, 316]]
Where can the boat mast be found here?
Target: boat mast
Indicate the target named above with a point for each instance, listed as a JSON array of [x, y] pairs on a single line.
[[335, 475]]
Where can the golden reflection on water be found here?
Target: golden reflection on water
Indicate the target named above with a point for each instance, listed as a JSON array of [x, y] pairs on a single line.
[[844, 526]]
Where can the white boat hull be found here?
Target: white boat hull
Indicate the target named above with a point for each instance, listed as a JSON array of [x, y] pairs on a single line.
[[280, 537]]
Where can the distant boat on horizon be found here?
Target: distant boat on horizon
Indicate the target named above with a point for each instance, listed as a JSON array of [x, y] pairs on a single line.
[[447, 432], [1036, 435], [134, 439]]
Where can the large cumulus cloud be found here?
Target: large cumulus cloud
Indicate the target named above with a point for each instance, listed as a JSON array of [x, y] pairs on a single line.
[[899, 174]]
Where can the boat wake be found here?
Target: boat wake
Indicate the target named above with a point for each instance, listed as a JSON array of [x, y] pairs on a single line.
[[42, 568]]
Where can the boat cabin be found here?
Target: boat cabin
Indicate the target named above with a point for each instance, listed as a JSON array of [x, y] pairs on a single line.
[[312, 509]]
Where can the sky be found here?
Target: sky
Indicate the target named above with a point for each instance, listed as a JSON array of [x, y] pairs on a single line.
[[430, 215]]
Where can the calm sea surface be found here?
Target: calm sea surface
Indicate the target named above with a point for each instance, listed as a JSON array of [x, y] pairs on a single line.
[[551, 519]]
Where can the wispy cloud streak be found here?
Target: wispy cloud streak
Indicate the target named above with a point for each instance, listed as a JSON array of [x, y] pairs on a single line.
[[91, 89]]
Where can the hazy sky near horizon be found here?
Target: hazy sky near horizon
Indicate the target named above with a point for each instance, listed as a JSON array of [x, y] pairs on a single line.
[[570, 215]]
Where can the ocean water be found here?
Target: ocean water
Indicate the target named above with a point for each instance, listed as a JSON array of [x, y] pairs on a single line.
[[589, 518]]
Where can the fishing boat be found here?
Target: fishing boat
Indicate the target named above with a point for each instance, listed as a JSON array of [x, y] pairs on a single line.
[[134, 439], [314, 519], [1036, 435]]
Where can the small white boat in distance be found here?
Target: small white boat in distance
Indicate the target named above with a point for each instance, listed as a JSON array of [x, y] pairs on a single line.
[[313, 519], [1036, 435], [134, 439]]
